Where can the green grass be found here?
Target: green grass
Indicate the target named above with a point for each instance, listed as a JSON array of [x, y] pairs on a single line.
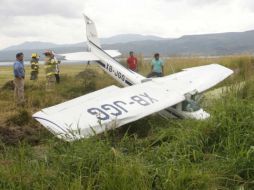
[[151, 153]]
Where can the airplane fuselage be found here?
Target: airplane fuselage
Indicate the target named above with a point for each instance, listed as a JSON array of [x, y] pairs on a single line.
[[127, 77]]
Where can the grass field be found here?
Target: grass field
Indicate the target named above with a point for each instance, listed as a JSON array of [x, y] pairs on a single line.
[[153, 153]]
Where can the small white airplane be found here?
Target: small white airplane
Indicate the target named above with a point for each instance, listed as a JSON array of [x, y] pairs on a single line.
[[171, 96]]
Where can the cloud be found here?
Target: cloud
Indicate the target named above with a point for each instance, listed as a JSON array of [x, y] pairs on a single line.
[[247, 5], [204, 2], [60, 21], [64, 8], [169, 18], [42, 28]]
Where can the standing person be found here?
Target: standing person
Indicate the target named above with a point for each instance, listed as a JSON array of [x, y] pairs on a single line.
[[34, 66], [157, 67], [50, 67], [19, 78], [132, 62], [57, 73]]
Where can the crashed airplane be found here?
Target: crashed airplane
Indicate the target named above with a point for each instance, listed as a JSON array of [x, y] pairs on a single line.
[[170, 96]]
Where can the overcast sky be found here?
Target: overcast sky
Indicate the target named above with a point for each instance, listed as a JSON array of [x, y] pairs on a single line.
[[60, 21]]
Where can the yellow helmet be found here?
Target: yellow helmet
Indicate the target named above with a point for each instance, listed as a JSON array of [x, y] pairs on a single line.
[[35, 55]]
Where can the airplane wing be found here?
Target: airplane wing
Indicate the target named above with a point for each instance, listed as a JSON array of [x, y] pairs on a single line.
[[198, 79], [113, 107], [88, 56], [105, 109]]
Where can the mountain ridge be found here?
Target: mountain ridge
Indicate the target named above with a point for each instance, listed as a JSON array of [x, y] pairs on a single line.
[[217, 44], [122, 38]]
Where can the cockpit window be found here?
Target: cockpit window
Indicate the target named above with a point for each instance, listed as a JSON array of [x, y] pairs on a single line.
[[190, 106]]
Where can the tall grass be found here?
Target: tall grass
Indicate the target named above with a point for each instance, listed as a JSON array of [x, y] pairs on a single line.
[[148, 154]]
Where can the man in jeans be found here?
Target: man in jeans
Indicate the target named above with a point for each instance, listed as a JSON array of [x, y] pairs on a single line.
[[19, 74], [157, 67]]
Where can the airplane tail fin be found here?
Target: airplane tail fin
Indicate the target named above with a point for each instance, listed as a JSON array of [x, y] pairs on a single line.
[[110, 65], [91, 32]]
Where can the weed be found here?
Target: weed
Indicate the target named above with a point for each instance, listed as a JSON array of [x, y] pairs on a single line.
[[152, 153]]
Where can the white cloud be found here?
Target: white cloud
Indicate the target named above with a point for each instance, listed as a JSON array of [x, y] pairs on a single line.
[[171, 18], [60, 21], [64, 8]]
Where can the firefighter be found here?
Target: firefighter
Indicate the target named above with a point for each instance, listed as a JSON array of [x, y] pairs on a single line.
[[34, 66], [50, 67], [57, 72]]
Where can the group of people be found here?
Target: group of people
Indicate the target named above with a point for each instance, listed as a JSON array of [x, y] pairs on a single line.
[[51, 68], [157, 65]]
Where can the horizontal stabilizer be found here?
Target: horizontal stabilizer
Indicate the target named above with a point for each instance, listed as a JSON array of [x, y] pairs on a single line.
[[88, 56]]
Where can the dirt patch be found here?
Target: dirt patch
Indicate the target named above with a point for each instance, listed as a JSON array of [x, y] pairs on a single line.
[[87, 74], [20, 127], [13, 135], [23, 117], [8, 86]]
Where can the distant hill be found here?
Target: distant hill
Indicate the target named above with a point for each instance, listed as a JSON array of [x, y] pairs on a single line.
[[199, 45], [31, 45], [41, 45], [28, 48], [194, 45], [125, 38]]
